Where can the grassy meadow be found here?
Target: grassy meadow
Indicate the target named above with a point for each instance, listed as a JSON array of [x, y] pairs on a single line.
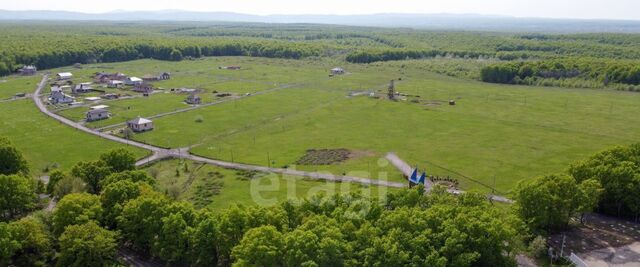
[[45, 142], [495, 135], [217, 188], [11, 85]]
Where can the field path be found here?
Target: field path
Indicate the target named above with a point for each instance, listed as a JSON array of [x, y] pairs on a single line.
[[161, 153], [407, 170]]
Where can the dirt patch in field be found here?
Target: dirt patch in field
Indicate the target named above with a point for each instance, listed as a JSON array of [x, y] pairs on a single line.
[[324, 156], [361, 154]]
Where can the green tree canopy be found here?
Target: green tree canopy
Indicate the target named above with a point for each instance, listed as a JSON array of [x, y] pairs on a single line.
[[87, 245], [91, 173], [132, 176], [17, 195], [11, 160], [119, 160], [261, 246], [77, 208]]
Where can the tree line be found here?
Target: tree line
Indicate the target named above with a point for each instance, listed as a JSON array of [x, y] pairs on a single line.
[[604, 72], [607, 182]]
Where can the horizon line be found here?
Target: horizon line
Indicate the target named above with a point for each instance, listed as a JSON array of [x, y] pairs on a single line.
[[323, 14]]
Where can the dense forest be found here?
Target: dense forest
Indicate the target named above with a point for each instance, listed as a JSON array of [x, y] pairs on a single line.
[[568, 60], [106, 204]]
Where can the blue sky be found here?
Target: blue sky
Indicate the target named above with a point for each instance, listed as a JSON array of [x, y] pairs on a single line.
[[585, 9]]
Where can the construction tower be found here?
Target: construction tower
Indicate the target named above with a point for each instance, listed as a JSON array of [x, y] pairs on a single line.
[[392, 91]]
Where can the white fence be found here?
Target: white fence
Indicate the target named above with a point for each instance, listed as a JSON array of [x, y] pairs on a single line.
[[577, 261]]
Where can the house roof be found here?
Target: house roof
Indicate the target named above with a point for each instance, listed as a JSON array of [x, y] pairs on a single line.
[[65, 74], [139, 121], [135, 79], [115, 82], [337, 69], [56, 89], [99, 107], [97, 111]]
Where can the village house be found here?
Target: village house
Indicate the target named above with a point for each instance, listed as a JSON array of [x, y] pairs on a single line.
[[97, 114], [193, 99], [133, 81], [104, 77], [28, 70], [64, 76], [164, 76], [82, 88], [115, 84], [145, 88], [337, 71], [184, 90], [140, 125], [160, 77], [59, 97], [110, 96], [149, 78]]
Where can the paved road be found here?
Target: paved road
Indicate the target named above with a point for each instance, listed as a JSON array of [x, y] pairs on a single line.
[[160, 153]]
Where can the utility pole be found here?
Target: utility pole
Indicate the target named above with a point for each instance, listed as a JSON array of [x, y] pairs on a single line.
[[268, 159], [564, 236]]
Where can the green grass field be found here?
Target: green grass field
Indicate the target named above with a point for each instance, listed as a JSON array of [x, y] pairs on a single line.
[[9, 86], [44, 141], [218, 188], [494, 135]]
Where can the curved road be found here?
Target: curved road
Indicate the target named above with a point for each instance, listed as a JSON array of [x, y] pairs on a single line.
[[160, 153]]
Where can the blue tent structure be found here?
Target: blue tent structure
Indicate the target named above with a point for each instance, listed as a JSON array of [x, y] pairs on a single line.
[[414, 176], [422, 179]]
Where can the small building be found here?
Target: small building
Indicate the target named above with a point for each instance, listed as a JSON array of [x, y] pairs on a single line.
[[337, 71], [28, 70], [64, 76], [185, 90], [115, 84], [149, 78], [109, 96], [164, 76], [145, 88], [82, 88], [105, 77], [193, 99], [59, 97], [97, 114], [133, 81], [99, 107], [140, 125]]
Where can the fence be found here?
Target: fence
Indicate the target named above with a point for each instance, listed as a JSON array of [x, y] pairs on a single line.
[[577, 261]]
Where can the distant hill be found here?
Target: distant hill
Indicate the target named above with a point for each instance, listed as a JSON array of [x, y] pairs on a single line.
[[420, 21]]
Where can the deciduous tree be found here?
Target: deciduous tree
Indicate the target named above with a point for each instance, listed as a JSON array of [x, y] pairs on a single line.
[[87, 245]]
